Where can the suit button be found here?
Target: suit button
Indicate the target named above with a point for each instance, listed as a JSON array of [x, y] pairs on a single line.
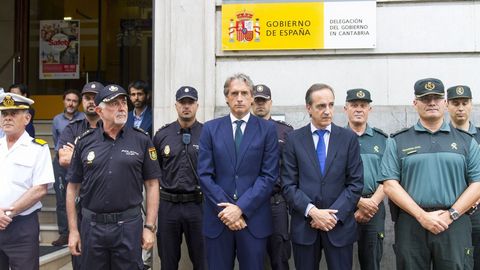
[[236, 176], [323, 183]]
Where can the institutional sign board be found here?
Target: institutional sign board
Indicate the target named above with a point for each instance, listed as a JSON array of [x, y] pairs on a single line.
[[298, 25], [59, 49]]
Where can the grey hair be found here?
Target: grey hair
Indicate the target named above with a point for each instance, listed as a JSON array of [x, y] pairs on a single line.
[[316, 87], [102, 105], [238, 76]]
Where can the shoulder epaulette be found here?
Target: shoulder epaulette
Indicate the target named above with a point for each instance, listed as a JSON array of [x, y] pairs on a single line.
[[141, 130], [399, 132], [84, 134], [75, 121], [164, 126], [39, 141], [283, 123], [380, 131]]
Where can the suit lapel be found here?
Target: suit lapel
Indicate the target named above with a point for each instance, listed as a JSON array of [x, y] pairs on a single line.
[[248, 136], [309, 148], [226, 132], [333, 142]]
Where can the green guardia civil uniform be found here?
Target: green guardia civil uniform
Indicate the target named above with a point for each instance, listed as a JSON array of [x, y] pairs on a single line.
[[475, 217], [371, 234], [434, 169]]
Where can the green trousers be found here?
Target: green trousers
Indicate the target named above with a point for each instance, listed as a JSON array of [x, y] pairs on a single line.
[[416, 248]]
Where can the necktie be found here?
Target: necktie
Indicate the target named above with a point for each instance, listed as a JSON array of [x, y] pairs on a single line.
[[238, 134], [321, 152]]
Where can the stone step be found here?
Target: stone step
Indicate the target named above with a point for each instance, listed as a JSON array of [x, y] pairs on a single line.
[[47, 215], [49, 200], [56, 260], [48, 233]]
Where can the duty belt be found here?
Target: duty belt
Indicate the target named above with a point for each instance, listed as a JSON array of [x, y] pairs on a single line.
[[108, 218], [180, 197], [433, 209]]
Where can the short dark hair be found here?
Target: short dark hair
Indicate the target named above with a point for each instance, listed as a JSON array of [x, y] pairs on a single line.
[[316, 87], [23, 89], [140, 85], [238, 76], [72, 91]]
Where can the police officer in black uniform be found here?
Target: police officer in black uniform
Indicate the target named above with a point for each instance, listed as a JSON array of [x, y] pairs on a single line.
[[109, 168], [278, 245], [180, 210], [72, 131], [76, 128]]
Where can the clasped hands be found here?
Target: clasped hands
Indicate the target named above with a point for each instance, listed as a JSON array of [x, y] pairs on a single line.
[[231, 216], [367, 208], [323, 219], [5, 217]]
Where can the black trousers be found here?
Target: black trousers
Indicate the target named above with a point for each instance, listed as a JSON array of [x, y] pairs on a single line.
[[19, 244], [60, 187], [174, 220], [278, 244], [113, 246]]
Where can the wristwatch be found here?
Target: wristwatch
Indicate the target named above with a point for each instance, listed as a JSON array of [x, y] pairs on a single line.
[[151, 227], [454, 215]]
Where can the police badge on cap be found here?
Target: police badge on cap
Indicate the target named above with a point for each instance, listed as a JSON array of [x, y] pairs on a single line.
[[358, 94], [186, 92], [459, 91], [429, 86], [11, 101]]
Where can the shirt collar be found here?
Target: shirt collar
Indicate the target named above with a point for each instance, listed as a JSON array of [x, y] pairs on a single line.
[[245, 118], [368, 130], [444, 128], [314, 129], [141, 114], [472, 129], [74, 116], [24, 139]]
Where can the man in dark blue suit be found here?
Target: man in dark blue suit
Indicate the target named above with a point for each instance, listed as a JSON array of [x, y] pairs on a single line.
[[237, 166], [322, 178], [141, 115]]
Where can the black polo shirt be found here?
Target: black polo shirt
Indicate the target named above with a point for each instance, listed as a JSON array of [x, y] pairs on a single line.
[[71, 132], [177, 175], [282, 130], [112, 172]]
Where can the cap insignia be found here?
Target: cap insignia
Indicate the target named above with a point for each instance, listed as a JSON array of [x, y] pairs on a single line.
[[259, 88], [186, 90], [429, 86], [459, 90], [360, 94], [93, 85], [8, 101], [113, 88]]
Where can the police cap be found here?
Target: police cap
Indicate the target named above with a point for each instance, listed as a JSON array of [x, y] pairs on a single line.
[[429, 86], [109, 92], [358, 94], [459, 91], [262, 91], [92, 87], [186, 92]]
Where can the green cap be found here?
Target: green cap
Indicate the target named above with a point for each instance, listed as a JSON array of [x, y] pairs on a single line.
[[429, 86], [459, 91], [358, 94]]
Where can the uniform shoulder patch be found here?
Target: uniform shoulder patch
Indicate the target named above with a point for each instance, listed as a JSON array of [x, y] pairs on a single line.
[[39, 141], [141, 130], [380, 131], [283, 123], [400, 132], [84, 134]]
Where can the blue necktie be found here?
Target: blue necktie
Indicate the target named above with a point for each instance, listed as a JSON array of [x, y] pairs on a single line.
[[238, 134], [321, 152]]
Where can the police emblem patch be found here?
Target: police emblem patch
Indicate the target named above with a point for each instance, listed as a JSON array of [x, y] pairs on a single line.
[[454, 146], [430, 86], [166, 150], [376, 148], [459, 90], [360, 94], [90, 157], [153, 153]]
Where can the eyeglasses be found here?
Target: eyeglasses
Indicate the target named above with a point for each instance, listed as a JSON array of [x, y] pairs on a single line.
[[429, 98]]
